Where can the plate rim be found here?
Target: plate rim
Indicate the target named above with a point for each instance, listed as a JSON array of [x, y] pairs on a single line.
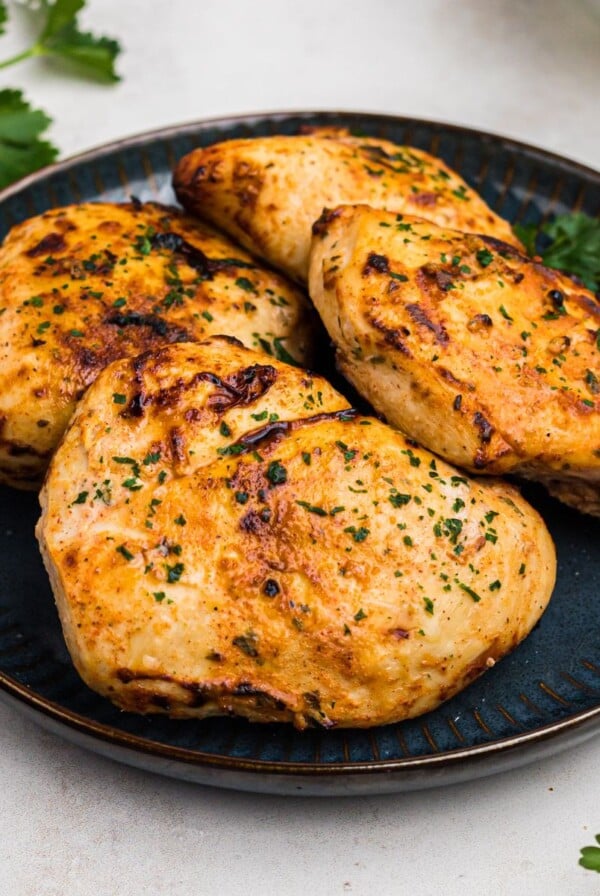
[[177, 130], [587, 720]]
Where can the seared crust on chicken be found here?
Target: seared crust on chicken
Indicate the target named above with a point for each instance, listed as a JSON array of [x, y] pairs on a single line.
[[266, 192], [234, 539], [485, 356], [84, 285]]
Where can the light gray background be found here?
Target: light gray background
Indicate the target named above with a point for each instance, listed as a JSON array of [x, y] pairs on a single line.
[[72, 823]]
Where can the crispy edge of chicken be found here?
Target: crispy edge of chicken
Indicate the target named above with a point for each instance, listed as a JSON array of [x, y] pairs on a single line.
[[267, 191], [480, 353], [81, 286], [249, 545]]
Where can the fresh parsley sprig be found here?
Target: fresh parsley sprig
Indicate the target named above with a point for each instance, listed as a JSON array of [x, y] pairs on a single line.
[[61, 38], [570, 243], [22, 149]]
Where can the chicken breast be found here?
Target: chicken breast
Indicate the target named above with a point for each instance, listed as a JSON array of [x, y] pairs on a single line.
[[83, 285], [232, 538], [267, 192], [482, 354]]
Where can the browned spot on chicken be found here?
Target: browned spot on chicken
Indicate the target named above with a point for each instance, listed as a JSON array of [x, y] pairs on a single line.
[[419, 315], [52, 242]]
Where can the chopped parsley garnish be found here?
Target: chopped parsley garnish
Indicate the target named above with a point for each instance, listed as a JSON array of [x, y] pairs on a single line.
[[484, 257], [81, 498], [174, 572], [357, 534], [592, 382], [349, 453], [398, 500], [245, 284], [469, 591], [360, 615], [312, 508], [231, 449], [118, 398], [276, 473], [133, 484], [121, 549], [180, 520]]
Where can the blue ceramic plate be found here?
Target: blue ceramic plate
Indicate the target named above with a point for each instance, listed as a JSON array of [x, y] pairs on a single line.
[[541, 699]]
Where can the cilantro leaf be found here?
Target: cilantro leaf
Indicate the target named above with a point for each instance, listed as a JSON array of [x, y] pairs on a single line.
[[575, 247], [590, 856], [527, 233], [3, 16], [62, 38], [93, 55], [570, 243], [60, 13], [21, 150]]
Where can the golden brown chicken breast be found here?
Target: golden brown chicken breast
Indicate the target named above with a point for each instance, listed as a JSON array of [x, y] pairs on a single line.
[[224, 535], [266, 192], [83, 285], [485, 356]]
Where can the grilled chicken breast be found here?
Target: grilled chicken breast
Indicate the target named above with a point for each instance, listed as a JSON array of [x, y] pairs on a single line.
[[83, 285], [267, 192], [229, 537], [480, 353]]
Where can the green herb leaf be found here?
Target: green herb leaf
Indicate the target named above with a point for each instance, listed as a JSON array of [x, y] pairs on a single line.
[[3, 16], [121, 549], [590, 857], [574, 245], [174, 572], [276, 473], [60, 13], [21, 150], [61, 37], [281, 353], [312, 508], [484, 257], [527, 233]]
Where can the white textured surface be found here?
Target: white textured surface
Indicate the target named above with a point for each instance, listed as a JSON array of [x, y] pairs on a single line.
[[72, 823]]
